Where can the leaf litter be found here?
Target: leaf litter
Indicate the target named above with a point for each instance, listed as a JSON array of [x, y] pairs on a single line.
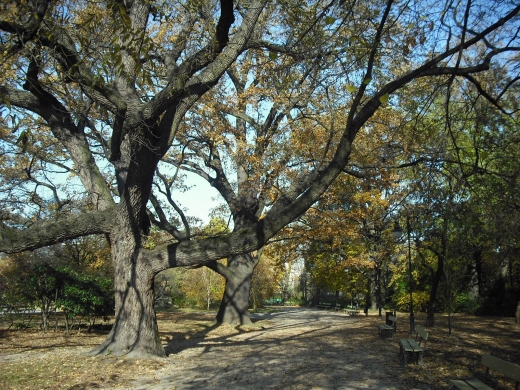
[[289, 349]]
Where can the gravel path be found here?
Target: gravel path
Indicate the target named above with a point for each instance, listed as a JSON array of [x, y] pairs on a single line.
[[294, 348]]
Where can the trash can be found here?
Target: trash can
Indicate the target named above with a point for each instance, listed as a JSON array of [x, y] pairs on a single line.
[[388, 314]]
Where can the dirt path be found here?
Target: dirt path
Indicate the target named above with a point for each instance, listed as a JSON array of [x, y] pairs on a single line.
[[294, 349]]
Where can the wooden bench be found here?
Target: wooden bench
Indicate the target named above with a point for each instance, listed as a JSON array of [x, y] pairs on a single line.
[[351, 310], [323, 305], [413, 347], [385, 330], [491, 363]]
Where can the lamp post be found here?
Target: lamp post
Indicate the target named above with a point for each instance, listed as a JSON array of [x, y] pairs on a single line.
[[397, 233], [346, 280]]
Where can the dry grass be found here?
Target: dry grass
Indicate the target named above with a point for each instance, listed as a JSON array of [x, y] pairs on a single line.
[[33, 360]]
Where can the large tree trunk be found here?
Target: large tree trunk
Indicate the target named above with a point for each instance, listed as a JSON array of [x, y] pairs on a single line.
[[432, 304], [375, 290], [476, 275], [235, 302], [135, 332]]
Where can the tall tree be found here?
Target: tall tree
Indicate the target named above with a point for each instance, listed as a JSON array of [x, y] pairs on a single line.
[[451, 191], [109, 80], [102, 87]]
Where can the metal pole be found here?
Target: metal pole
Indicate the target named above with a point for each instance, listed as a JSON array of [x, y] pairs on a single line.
[[412, 320], [379, 300]]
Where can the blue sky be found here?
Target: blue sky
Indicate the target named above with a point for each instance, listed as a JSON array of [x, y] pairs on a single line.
[[199, 200]]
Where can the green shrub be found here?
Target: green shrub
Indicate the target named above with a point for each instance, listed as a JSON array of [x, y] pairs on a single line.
[[465, 303], [83, 295]]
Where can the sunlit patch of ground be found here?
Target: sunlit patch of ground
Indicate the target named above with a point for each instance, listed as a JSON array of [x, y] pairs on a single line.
[[285, 349]]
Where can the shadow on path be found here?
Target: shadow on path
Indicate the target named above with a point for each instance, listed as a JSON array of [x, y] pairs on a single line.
[[294, 348]]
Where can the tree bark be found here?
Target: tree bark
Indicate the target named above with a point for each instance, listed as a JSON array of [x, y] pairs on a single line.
[[234, 308], [135, 332], [432, 304], [476, 275]]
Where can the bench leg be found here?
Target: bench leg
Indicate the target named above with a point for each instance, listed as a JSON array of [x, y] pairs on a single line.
[[402, 355], [420, 358]]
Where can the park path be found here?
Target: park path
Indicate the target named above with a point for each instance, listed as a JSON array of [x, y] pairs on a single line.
[[295, 348]]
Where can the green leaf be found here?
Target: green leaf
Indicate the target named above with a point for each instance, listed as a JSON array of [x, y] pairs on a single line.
[[351, 88], [330, 20], [118, 61], [22, 137], [484, 155], [367, 80], [124, 15], [273, 55], [384, 98]]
